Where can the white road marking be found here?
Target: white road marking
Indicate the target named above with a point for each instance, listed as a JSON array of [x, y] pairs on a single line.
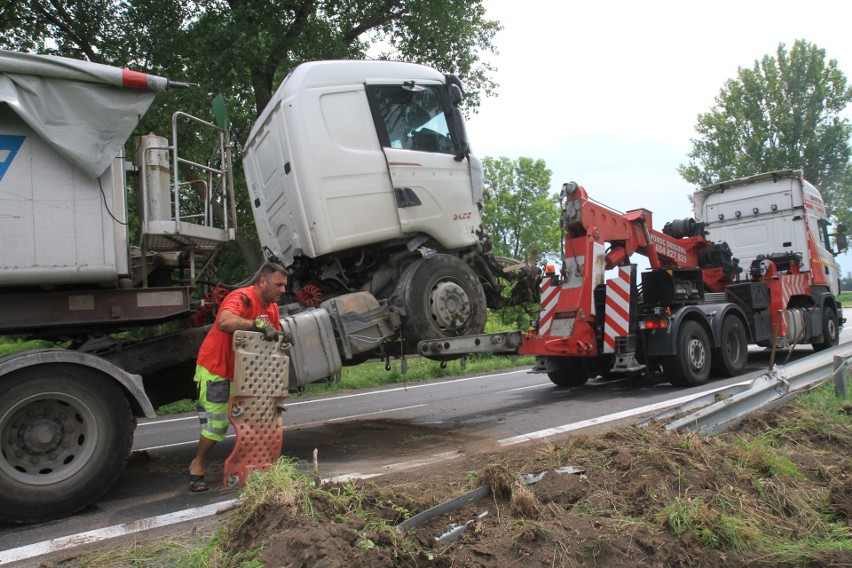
[[344, 396], [541, 386], [370, 414], [608, 418], [401, 466], [405, 388], [106, 533]]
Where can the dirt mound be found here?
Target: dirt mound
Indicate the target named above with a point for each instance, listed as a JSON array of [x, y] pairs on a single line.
[[776, 491]]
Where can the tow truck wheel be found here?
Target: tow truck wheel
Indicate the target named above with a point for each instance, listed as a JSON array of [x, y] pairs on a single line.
[[568, 372], [730, 358], [444, 299], [690, 365], [830, 331], [66, 433]]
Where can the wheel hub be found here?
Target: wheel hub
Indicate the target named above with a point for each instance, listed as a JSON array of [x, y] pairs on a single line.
[[46, 440], [696, 354], [41, 436], [450, 306]]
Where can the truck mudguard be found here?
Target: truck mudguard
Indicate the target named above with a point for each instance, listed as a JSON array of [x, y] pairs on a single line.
[[710, 316], [131, 383]]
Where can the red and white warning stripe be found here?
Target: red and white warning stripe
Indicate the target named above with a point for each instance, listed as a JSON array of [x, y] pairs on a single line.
[[793, 285], [617, 310], [549, 299]]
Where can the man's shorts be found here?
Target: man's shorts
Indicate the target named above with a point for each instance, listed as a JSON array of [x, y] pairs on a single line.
[[212, 406]]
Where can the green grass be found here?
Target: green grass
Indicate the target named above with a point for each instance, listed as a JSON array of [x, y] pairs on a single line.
[[845, 299], [11, 345]]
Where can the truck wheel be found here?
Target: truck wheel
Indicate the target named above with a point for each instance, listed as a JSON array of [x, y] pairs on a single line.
[[830, 331], [444, 299], [66, 433], [570, 372], [690, 365], [730, 358]]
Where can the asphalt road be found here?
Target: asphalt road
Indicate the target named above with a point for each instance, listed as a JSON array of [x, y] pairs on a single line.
[[370, 433]]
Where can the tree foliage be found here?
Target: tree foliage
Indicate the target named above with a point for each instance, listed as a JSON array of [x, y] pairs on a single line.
[[520, 215], [247, 47], [522, 219], [783, 112]]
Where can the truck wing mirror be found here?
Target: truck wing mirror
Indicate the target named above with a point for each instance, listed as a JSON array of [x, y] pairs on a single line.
[[461, 135], [840, 239]]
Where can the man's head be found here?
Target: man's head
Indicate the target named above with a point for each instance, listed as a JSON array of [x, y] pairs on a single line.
[[271, 282]]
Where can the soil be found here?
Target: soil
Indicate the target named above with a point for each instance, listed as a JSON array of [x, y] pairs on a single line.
[[639, 497]]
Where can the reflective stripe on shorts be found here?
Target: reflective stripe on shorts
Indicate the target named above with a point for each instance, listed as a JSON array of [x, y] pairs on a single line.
[[212, 403]]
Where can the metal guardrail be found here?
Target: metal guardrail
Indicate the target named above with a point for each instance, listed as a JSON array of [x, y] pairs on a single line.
[[721, 410]]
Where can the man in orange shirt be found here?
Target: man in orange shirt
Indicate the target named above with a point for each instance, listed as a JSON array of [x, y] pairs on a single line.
[[253, 308]]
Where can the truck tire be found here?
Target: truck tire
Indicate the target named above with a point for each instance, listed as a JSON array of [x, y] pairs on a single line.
[[731, 357], [690, 365], [570, 372], [443, 299], [66, 433], [830, 331]]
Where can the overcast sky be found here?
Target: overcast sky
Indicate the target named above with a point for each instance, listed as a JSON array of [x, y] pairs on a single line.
[[607, 93]]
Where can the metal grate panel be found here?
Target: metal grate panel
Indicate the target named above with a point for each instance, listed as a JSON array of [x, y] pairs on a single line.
[[255, 409]]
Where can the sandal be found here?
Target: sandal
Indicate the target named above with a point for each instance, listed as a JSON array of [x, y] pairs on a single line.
[[197, 484]]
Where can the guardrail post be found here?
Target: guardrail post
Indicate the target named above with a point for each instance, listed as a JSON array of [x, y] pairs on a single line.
[[841, 370]]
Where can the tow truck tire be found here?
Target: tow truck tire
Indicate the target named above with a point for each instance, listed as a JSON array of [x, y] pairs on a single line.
[[66, 434], [830, 331], [731, 357], [444, 299], [570, 372], [690, 365]]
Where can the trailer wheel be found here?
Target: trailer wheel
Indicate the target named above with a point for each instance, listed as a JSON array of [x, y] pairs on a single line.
[[66, 433], [690, 365], [830, 331], [444, 299], [569, 372], [731, 357]]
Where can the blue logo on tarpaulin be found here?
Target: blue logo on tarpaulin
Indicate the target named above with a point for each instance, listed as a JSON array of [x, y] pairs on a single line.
[[9, 146]]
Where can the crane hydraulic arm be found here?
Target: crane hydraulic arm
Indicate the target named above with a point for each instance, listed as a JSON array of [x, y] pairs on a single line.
[[682, 244]]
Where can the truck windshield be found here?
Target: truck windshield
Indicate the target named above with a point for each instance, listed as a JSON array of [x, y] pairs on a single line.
[[411, 117]]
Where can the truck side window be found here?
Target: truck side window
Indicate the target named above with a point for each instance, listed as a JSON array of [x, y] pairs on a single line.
[[412, 118], [824, 239]]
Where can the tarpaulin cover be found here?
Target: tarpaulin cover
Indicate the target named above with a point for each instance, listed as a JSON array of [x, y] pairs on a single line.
[[85, 110]]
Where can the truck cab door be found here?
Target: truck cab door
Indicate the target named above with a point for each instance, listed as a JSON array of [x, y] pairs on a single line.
[[434, 190]]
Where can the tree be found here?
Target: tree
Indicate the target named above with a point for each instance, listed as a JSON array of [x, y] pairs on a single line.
[[522, 219], [784, 112], [519, 213], [251, 45]]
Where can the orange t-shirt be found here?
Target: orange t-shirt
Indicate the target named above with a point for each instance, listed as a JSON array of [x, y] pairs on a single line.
[[217, 351]]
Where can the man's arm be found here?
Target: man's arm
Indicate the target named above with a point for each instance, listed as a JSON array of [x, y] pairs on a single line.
[[229, 322]]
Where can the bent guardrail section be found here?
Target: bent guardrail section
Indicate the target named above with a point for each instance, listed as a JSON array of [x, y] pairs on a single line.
[[721, 410]]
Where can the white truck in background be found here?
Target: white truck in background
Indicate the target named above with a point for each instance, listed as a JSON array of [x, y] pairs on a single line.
[[361, 183]]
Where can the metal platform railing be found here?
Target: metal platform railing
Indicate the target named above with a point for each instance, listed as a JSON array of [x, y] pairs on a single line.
[[186, 206]]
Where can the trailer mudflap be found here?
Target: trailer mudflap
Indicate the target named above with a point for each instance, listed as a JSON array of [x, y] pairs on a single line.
[[255, 410]]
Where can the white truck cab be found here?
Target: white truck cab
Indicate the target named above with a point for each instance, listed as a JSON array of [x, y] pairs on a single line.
[[772, 214], [353, 154]]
